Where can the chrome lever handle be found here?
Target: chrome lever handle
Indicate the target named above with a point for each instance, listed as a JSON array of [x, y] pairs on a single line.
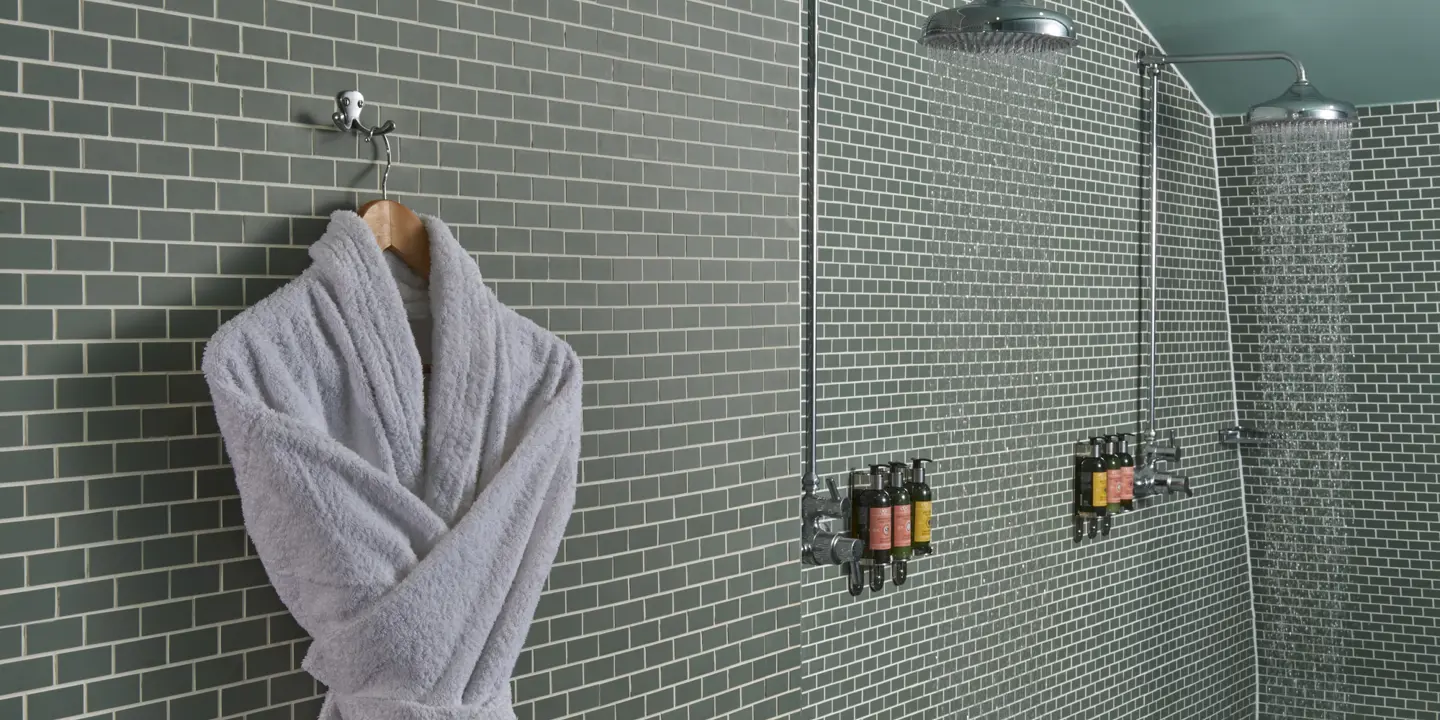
[[1180, 485]]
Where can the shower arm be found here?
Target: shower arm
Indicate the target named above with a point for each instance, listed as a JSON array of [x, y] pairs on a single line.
[[1155, 59]]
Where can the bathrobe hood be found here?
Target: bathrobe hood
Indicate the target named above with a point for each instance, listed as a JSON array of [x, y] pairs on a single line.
[[409, 529]]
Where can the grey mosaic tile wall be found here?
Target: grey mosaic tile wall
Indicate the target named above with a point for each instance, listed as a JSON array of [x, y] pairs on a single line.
[[1154, 621], [626, 172], [1390, 668]]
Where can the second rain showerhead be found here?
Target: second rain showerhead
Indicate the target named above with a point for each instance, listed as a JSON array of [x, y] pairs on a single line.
[[1302, 104], [994, 26]]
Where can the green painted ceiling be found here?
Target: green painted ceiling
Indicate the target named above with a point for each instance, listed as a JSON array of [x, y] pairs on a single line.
[[1369, 52]]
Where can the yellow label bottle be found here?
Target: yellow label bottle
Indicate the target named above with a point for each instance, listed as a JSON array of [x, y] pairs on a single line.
[[1094, 468], [923, 515], [922, 521]]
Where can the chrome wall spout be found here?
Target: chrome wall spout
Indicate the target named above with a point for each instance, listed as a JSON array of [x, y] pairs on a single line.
[[1239, 436]]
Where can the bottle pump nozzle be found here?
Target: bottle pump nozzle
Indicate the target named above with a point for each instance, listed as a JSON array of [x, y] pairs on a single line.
[[897, 471], [917, 469]]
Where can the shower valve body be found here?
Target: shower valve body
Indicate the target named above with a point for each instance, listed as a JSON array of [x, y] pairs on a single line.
[[819, 545]]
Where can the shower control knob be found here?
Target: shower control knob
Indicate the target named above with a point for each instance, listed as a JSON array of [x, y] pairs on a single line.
[[833, 549]]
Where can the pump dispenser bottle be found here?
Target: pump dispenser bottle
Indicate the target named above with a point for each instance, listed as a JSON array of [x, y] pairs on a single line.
[[922, 517], [900, 521], [1113, 473], [1127, 473], [1098, 476], [878, 528]]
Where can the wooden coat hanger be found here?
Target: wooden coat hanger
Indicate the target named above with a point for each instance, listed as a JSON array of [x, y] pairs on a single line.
[[396, 228]]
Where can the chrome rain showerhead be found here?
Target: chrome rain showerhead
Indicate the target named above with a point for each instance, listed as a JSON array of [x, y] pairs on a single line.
[[1302, 104], [993, 26]]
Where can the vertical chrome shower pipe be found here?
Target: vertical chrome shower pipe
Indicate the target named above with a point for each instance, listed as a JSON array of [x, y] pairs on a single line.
[[820, 542], [811, 480], [1153, 71]]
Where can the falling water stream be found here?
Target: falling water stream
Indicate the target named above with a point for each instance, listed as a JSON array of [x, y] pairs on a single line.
[[1297, 478], [995, 199]]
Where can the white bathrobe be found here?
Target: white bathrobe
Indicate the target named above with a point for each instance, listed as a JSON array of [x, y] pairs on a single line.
[[408, 529]]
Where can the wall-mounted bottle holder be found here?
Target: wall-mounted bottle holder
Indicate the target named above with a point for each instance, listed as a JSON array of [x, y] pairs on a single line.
[[891, 515], [1089, 519], [1111, 483]]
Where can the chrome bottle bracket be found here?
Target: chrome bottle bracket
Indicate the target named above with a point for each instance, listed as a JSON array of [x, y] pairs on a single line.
[[1155, 480]]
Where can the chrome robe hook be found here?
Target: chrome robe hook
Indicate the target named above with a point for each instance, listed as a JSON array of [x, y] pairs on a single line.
[[349, 104]]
